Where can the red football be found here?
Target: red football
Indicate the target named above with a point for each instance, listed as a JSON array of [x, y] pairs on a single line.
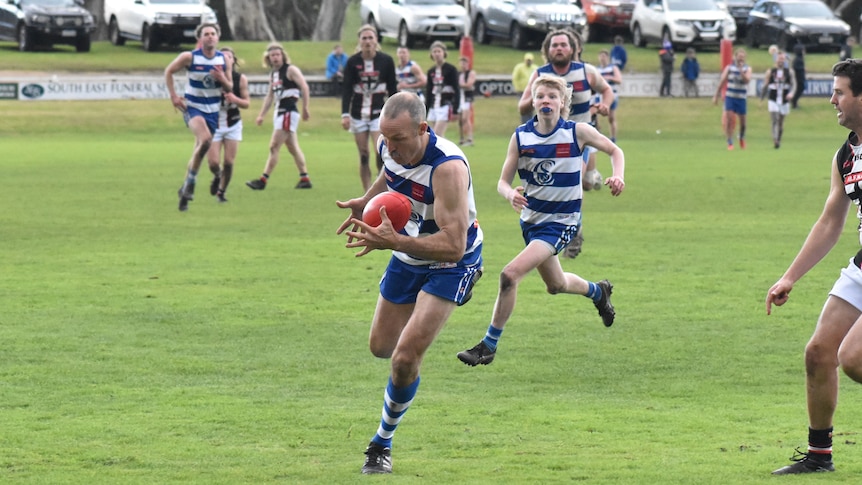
[[398, 209]]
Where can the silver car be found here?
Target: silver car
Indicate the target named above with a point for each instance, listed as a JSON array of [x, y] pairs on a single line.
[[525, 21]]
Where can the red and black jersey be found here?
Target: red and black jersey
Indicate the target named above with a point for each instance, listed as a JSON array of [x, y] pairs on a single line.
[[367, 85], [285, 91]]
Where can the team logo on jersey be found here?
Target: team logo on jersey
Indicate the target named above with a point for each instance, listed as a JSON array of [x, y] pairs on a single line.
[[209, 82], [542, 172]]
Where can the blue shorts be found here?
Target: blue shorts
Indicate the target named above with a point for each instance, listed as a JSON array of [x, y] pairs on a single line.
[[402, 282], [557, 236], [735, 105], [210, 118]]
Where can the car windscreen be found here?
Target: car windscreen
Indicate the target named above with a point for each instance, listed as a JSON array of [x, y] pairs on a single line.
[[807, 10], [691, 5]]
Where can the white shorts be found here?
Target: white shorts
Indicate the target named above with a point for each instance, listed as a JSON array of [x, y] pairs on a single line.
[[362, 126], [775, 107], [849, 285], [229, 133], [465, 107], [287, 122], [439, 114]]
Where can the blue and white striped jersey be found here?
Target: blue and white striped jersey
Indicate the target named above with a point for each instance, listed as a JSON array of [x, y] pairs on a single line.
[[203, 92], [415, 182], [549, 167]]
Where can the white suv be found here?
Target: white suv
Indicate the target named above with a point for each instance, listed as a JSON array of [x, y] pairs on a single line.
[[683, 22], [410, 20], [155, 22]]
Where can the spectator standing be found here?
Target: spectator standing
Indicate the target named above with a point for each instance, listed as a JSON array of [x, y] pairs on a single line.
[[521, 79], [619, 57], [799, 73], [690, 72], [666, 60], [846, 51], [335, 62]]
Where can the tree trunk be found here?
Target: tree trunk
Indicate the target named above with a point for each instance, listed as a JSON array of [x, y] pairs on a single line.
[[330, 20], [848, 10], [97, 8], [248, 20]]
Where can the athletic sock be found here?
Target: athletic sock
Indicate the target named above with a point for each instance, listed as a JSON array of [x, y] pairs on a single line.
[[264, 177], [492, 337], [594, 292], [191, 177], [396, 400], [304, 177], [820, 444]]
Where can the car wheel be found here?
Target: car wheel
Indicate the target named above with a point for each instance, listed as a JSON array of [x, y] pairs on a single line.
[[82, 44], [482, 36], [404, 37], [147, 42], [373, 23], [114, 33], [519, 36], [25, 38], [637, 36]]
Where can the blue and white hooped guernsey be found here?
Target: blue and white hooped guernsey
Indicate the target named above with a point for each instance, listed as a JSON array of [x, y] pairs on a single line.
[[415, 183], [576, 78], [203, 92], [736, 87], [550, 170]]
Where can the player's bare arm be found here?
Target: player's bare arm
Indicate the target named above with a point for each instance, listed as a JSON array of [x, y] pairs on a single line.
[[515, 195], [182, 61], [295, 75], [451, 209], [821, 239]]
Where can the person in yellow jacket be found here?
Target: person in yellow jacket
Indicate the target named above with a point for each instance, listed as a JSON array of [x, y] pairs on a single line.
[[521, 78]]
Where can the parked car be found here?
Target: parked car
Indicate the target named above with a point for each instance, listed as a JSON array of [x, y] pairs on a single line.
[[45, 23], [524, 21], [683, 22], [410, 20], [606, 16], [739, 10], [156, 22], [788, 23]]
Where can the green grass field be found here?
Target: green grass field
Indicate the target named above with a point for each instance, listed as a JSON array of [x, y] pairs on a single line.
[[228, 344]]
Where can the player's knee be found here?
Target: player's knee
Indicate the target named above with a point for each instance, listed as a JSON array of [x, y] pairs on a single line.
[[818, 357], [508, 279], [850, 361], [404, 365], [363, 159], [379, 349]]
